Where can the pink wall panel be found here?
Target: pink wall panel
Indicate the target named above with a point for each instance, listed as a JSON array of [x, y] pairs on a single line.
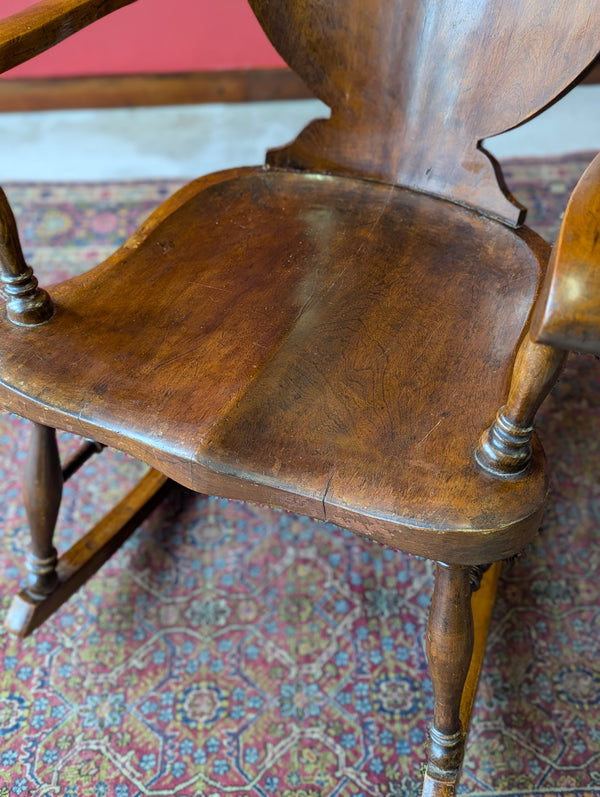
[[157, 36]]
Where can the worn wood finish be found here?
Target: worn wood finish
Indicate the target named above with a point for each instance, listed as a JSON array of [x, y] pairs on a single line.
[[505, 448], [27, 304], [432, 787], [449, 651], [89, 553], [567, 314], [413, 86], [42, 494], [46, 23], [331, 344], [108, 91], [181, 88], [482, 604], [318, 395], [444, 784]]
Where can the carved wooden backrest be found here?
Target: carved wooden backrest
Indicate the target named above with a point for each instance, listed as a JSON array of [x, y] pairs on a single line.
[[414, 85]]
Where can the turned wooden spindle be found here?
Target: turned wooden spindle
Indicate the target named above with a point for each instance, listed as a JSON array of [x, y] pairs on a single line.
[[42, 495], [504, 448], [449, 652], [26, 305], [476, 574]]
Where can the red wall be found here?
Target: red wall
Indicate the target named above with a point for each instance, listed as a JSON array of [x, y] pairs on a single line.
[[157, 36]]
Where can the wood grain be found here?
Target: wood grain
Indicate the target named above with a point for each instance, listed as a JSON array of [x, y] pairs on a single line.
[[26, 303], [333, 333], [449, 651], [321, 392], [505, 449], [42, 25], [567, 313], [108, 91], [413, 86], [89, 553], [42, 493], [181, 88], [482, 604]]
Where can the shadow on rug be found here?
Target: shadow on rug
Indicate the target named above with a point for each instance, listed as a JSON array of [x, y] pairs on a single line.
[[234, 649]]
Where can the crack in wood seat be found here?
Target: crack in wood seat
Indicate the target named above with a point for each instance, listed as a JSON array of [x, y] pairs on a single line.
[[367, 345]]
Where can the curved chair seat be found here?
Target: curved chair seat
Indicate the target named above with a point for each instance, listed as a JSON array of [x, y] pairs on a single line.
[[356, 332], [370, 336]]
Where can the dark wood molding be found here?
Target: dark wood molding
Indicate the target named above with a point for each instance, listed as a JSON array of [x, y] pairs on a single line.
[[111, 91], [106, 91]]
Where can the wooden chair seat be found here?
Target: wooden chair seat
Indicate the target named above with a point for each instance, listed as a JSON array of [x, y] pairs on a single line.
[[369, 348], [369, 341]]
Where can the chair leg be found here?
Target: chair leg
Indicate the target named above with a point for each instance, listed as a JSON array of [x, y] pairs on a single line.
[[88, 554], [42, 495], [449, 651], [52, 580]]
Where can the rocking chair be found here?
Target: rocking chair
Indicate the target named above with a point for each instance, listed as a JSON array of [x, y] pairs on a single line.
[[359, 330]]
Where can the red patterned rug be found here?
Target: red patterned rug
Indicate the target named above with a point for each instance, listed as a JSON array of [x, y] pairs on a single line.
[[232, 649]]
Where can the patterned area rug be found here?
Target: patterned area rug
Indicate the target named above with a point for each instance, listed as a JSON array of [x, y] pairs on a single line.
[[232, 649]]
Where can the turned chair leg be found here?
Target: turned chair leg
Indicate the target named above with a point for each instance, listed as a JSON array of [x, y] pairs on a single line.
[[51, 580], [42, 495], [449, 651]]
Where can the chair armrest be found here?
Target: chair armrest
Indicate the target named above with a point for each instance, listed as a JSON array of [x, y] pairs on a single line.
[[46, 23], [567, 312]]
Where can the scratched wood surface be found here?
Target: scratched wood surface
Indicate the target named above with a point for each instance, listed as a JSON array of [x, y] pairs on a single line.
[[343, 367], [335, 333]]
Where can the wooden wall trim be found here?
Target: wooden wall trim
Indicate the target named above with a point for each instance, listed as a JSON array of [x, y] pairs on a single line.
[[251, 85], [111, 91]]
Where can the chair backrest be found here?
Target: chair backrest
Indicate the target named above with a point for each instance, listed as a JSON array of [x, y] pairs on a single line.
[[414, 85]]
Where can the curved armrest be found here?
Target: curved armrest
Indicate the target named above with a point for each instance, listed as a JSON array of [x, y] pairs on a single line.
[[46, 23], [567, 312]]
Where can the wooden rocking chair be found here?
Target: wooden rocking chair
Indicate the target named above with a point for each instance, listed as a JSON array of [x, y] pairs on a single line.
[[358, 331]]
